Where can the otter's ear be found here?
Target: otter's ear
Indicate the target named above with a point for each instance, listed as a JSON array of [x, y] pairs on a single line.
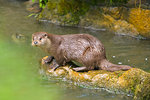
[[45, 35]]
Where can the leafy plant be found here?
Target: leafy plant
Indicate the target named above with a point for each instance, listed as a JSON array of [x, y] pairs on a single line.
[[42, 3], [116, 2]]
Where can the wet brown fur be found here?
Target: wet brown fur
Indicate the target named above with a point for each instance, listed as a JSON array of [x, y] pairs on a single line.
[[82, 48]]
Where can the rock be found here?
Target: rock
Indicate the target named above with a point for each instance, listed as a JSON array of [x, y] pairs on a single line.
[[134, 81], [33, 6], [64, 12], [120, 20], [121, 27], [19, 38], [140, 18], [102, 20], [132, 21]]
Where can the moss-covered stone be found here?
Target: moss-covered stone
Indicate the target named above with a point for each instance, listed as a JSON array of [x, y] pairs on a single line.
[[140, 18], [64, 12], [133, 21], [102, 20], [121, 20], [134, 81]]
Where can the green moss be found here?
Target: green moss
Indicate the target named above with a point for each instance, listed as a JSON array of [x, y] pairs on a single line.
[[142, 91], [66, 12], [51, 5]]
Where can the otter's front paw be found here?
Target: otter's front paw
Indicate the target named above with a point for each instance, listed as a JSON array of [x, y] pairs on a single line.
[[49, 59]]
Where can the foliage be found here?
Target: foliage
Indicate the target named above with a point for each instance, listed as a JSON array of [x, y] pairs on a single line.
[[76, 7], [69, 10], [106, 2], [116, 2], [42, 3]]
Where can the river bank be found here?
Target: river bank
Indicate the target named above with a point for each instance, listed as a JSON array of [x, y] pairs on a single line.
[[132, 20]]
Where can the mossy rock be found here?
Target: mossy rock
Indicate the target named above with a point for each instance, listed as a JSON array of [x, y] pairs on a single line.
[[127, 21], [134, 81], [140, 18], [111, 20], [64, 12], [87, 14]]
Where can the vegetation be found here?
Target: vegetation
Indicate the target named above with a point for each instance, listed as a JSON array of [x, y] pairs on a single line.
[[65, 11], [71, 10], [43, 3], [94, 13]]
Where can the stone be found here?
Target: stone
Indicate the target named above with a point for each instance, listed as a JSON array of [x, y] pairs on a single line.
[[133, 82]]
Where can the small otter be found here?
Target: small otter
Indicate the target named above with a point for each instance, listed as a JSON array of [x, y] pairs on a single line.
[[82, 48]]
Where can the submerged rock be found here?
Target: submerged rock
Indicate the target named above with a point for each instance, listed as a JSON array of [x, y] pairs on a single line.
[[19, 38], [134, 81]]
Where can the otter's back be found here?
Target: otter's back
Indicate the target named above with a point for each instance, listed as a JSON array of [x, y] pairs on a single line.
[[81, 47]]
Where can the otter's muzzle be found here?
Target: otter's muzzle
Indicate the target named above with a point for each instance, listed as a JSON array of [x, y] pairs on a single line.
[[35, 42]]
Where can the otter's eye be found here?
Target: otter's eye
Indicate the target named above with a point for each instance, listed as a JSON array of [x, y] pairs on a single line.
[[45, 35], [40, 39]]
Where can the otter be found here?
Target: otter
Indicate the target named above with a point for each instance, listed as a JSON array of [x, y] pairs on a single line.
[[83, 48]]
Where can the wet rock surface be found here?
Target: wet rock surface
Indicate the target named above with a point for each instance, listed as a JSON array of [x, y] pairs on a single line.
[[134, 81]]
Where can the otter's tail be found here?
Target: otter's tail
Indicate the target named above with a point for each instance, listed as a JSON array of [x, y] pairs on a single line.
[[106, 65]]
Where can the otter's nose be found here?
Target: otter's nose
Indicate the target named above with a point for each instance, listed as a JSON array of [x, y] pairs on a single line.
[[35, 42]]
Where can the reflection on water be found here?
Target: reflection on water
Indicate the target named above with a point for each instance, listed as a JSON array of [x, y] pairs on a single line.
[[19, 62]]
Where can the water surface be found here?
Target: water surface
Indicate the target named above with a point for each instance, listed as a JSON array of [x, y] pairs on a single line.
[[19, 61]]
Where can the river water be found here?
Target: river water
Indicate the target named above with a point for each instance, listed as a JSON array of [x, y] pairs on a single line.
[[19, 61]]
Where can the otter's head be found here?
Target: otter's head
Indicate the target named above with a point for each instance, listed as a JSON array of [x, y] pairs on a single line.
[[40, 39]]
